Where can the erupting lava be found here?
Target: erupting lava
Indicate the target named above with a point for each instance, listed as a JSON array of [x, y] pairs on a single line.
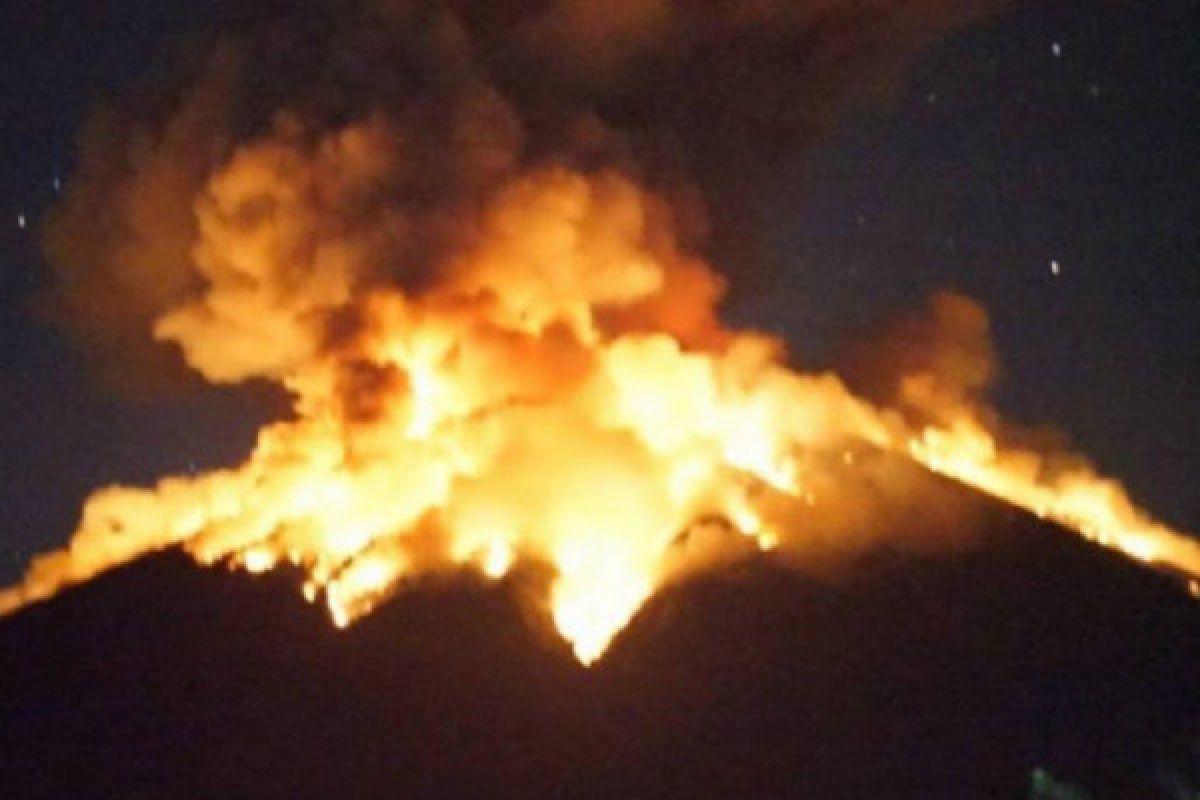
[[496, 358], [563, 394]]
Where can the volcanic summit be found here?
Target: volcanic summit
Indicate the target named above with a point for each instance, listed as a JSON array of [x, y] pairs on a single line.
[[958, 674]]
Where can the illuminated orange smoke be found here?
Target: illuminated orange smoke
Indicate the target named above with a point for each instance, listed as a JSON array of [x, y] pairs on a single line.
[[497, 358], [562, 395]]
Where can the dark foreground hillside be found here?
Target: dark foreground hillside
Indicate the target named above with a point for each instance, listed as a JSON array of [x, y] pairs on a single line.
[[939, 677]]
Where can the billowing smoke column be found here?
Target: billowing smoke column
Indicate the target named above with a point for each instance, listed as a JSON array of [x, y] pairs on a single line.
[[465, 237]]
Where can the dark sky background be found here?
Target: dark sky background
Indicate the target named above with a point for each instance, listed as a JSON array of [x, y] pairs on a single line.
[[1062, 133]]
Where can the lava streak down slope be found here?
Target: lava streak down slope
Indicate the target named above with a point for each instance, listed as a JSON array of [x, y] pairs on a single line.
[[945, 676]]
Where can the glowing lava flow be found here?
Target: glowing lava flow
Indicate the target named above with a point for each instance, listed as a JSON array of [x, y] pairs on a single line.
[[562, 393], [1095, 507]]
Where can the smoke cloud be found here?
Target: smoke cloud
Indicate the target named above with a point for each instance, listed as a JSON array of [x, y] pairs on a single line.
[[314, 150], [473, 243]]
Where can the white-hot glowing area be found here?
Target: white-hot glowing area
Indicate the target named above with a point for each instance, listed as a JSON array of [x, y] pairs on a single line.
[[560, 392]]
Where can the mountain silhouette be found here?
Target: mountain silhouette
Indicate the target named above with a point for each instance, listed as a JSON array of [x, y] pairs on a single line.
[[957, 675]]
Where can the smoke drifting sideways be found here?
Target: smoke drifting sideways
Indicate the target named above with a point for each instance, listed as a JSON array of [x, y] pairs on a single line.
[[467, 238]]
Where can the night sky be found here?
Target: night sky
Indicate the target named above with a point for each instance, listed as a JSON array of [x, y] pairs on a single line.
[[1046, 163]]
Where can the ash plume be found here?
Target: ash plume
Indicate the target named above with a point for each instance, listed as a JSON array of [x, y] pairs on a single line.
[[472, 242], [383, 126]]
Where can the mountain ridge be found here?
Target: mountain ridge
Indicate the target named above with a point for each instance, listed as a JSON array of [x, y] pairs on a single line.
[[944, 675]]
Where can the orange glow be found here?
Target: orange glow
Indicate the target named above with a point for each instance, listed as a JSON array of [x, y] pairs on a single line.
[[1095, 507], [562, 394]]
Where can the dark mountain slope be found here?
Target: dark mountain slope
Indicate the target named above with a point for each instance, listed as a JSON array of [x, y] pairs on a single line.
[[949, 676]]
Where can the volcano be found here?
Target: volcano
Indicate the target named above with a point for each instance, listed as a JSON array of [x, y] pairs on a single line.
[[964, 674]]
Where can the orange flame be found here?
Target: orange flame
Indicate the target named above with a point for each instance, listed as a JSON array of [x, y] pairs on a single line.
[[562, 394], [1095, 507]]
